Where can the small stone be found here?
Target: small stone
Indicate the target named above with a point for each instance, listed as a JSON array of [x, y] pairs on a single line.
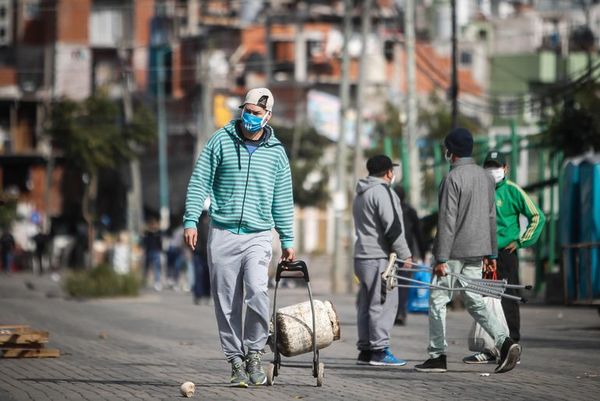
[[187, 389]]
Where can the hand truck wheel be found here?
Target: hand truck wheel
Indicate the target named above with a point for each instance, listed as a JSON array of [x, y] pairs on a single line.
[[320, 374], [270, 373]]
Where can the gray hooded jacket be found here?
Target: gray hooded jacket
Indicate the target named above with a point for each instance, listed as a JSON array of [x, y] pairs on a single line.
[[378, 221]]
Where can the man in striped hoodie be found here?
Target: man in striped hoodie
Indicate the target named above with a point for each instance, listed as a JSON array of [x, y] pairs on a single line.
[[511, 203], [245, 171]]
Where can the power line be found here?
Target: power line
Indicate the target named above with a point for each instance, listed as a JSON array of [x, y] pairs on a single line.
[[515, 103]]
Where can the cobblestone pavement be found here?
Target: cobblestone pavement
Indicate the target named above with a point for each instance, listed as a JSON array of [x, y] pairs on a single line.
[[144, 348]]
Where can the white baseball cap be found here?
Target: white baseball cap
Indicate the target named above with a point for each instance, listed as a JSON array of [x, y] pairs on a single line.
[[261, 97]]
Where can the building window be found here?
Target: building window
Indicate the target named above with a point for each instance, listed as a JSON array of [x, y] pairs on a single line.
[[109, 25], [466, 58], [31, 10], [5, 22]]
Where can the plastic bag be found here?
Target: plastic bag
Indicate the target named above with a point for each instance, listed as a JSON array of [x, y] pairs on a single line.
[[418, 298], [479, 339]]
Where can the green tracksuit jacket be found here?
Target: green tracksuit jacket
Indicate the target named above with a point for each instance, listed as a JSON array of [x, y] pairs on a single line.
[[512, 201], [249, 191]]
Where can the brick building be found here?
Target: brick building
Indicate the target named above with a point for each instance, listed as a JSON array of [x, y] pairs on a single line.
[[50, 49]]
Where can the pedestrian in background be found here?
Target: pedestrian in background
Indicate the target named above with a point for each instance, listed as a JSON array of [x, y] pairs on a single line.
[[245, 171], [201, 288], [175, 257], [153, 247], [7, 249], [466, 237], [511, 203], [416, 244], [379, 231]]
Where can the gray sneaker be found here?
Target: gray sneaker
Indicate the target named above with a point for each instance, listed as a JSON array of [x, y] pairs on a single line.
[[239, 378], [254, 369]]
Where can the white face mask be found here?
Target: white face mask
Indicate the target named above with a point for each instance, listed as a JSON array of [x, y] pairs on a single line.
[[497, 173], [448, 156], [393, 180]]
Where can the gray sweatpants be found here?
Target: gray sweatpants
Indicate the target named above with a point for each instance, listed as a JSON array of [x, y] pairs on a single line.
[[374, 319], [238, 266]]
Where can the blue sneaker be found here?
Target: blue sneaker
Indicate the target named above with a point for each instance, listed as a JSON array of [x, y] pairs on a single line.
[[385, 357]]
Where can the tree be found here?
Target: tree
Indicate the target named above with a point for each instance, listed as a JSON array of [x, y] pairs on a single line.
[[436, 119], [308, 175], [91, 136], [575, 128], [389, 126]]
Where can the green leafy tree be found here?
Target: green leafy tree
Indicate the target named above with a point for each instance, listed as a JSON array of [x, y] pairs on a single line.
[[8, 210], [308, 175], [436, 119], [91, 136], [575, 128], [389, 126]]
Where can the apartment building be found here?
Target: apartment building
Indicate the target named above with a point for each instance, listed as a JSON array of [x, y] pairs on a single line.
[[50, 49]]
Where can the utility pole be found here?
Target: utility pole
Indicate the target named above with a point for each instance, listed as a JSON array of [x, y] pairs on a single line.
[[340, 196], [206, 127], [269, 52], [299, 78], [360, 95], [454, 86], [163, 175], [413, 175], [585, 4], [134, 195]]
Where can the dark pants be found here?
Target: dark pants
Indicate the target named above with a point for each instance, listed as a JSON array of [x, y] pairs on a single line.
[[402, 298], [201, 276], [508, 268]]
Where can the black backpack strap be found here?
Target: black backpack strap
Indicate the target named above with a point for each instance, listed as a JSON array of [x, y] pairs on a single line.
[[395, 230]]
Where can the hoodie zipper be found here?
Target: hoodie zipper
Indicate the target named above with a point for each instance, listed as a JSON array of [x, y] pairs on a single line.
[[245, 190], [264, 143]]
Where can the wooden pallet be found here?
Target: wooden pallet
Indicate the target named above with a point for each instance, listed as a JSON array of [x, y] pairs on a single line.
[[21, 341]]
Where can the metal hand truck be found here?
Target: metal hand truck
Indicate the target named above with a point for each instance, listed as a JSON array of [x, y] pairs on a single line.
[[294, 270]]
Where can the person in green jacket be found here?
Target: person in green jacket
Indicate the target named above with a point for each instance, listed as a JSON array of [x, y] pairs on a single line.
[[511, 203], [245, 171]]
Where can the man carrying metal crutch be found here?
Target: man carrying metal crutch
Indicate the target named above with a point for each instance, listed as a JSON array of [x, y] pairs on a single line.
[[379, 231], [466, 237]]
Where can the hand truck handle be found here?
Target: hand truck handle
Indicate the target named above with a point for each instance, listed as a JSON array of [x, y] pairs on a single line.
[[287, 269]]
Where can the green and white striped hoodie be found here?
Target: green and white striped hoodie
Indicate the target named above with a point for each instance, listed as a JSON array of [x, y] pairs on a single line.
[[249, 192]]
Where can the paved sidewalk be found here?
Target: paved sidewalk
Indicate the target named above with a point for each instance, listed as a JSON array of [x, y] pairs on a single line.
[[157, 341]]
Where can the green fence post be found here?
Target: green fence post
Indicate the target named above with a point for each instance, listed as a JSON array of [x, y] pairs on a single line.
[[437, 164], [554, 171], [387, 147], [539, 268], [514, 150], [405, 166]]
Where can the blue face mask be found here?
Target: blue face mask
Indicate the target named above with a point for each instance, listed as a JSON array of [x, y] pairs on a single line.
[[253, 123]]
